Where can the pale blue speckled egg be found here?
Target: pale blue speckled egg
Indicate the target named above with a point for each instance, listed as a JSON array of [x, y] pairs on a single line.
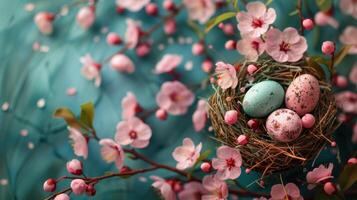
[[263, 98]]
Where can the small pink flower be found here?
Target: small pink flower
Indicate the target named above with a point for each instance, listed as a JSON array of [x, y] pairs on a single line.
[[122, 63], [43, 21], [353, 74], [200, 10], [62, 196], [289, 191], [112, 152], [174, 97], [187, 154], [256, 21], [164, 187], [132, 5], [74, 167], [348, 37], [251, 48], [227, 163], [168, 63], [199, 117], [322, 19], [91, 69], [328, 47], [216, 188], [86, 17], [133, 131], [347, 101], [80, 145], [227, 77], [318, 175], [132, 33], [349, 7], [49, 185], [129, 106], [78, 186], [192, 191], [286, 46]]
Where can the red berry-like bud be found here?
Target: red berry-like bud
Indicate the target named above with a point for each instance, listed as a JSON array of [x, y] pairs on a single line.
[[90, 190], [152, 9], [143, 49], [230, 45], [352, 161], [328, 47], [120, 10], [206, 167], [161, 114], [330, 188], [113, 39], [49, 185], [74, 167], [308, 24], [253, 124], [207, 65], [169, 5], [242, 140]]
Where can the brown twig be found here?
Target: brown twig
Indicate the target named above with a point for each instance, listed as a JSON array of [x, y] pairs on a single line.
[[299, 8]]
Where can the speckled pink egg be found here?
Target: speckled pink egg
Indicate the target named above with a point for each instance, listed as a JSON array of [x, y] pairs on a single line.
[[284, 125], [302, 94]]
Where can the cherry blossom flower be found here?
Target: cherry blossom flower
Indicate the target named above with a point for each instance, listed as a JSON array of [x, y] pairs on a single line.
[[187, 154], [200, 10], [112, 152], [289, 191], [129, 106], [168, 63], [347, 101], [227, 77], [43, 21], [349, 7], [122, 63], [216, 188], [80, 145], [251, 48], [348, 37], [86, 17], [286, 46], [353, 74], [199, 117], [133, 131], [91, 69], [192, 191], [227, 163], [164, 187], [132, 5], [256, 21], [318, 175], [132, 33], [174, 97], [323, 19]]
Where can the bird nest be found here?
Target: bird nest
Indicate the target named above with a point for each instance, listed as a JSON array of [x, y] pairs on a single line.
[[262, 153]]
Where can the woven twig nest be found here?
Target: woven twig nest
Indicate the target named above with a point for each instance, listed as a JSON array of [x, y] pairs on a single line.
[[262, 153]]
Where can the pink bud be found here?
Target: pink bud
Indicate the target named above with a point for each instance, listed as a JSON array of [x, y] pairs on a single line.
[[71, 91], [322, 19], [122, 63], [340, 81], [78, 186], [231, 117], [228, 29], [251, 69], [143, 49], [169, 5], [151, 9], [253, 124], [308, 24], [333, 144], [198, 48], [177, 186], [85, 17], [247, 171], [308, 121], [49, 185], [212, 80], [62, 196], [120, 10], [328, 47], [43, 21], [74, 167], [170, 26], [161, 114], [207, 65], [90, 190], [221, 25], [206, 167], [113, 39], [352, 161], [242, 140], [330, 188], [230, 45]]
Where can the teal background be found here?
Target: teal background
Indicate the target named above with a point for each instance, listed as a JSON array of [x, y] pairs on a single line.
[[27, 76]]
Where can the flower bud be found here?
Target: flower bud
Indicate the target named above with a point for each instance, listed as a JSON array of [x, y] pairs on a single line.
[[90, 190], [49, 185], [169, 5], [251, 69], [207, 65], [330, 188], [230, 45], [170, 26], [328, 47], [231, 117], [206, 167], [151, 9], [228, 29], [62, 196], [74, 167], [120, 10], [43, 21], [161, 114], [143, 49], [198, 48], [113, 39], [340, 81], [253, 124], [242, 140], [78, 186], [308, 24], [352, 161]]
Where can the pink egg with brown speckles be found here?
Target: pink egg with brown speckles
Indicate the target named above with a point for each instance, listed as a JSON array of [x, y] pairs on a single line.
[[302, 94], [284, 125]]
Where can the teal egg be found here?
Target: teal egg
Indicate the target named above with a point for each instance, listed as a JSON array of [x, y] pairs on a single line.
[[263, 98]]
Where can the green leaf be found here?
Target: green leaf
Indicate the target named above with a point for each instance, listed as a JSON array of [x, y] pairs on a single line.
[[68, 116], [220, 18], [268, 2], [348, 177], [235, 5], [295, 12], [87, 114], [195, 27], [204, 155], [324, 5], [341, 54]]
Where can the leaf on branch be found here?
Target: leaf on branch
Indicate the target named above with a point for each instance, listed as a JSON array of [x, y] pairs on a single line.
[[87, 114], [324, 5], [68, 116], [348, 177], [317, 67], [195, 27], [268, 2], [295, 12], [341, 54], [220, 18]]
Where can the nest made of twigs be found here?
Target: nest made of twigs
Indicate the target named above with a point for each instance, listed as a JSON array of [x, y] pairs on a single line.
[[262, 153]]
